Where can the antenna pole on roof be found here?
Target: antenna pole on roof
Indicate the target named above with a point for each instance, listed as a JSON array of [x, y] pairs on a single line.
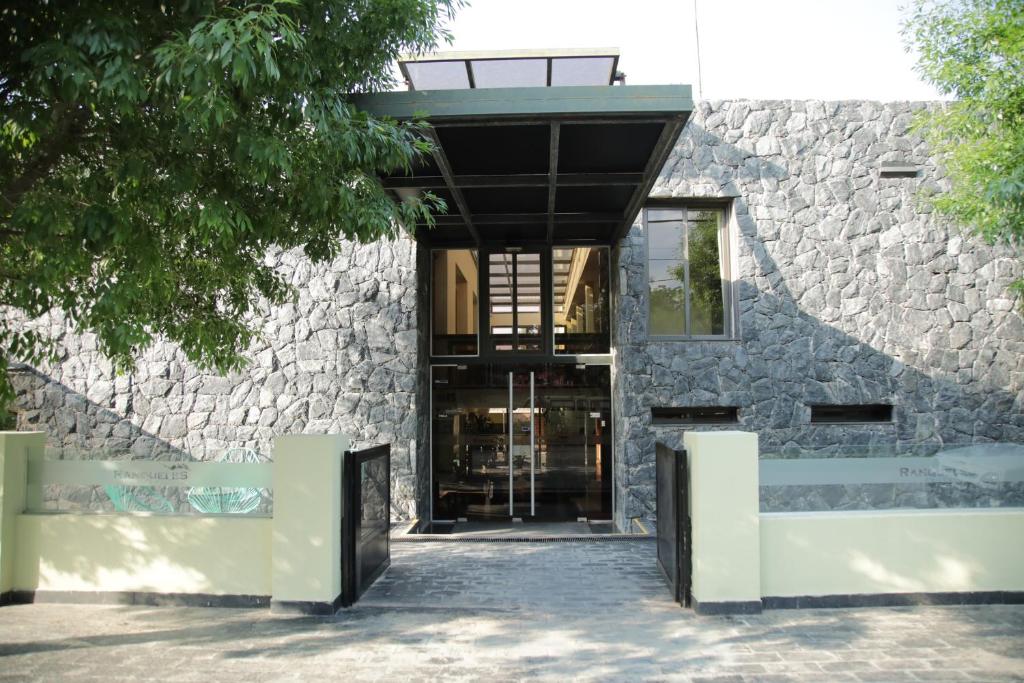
[[696, 33]]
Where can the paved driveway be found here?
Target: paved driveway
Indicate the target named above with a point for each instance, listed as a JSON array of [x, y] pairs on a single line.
[[510, 611]]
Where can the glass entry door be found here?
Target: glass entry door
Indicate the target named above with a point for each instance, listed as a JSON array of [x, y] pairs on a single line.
[[512, 442]]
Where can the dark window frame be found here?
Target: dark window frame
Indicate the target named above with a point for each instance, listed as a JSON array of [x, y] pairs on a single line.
[[726, 252]]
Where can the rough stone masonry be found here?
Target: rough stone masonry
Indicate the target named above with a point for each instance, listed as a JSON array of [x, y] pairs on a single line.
[[848, 290]]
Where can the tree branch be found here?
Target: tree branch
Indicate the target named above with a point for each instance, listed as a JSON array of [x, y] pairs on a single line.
[[69, 123]]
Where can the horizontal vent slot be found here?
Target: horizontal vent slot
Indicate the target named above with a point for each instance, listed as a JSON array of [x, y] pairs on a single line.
[[872, 412], [695, 415], [898, 170]]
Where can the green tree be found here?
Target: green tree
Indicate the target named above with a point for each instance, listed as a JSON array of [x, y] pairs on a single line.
[[973, 50], [151, 154]]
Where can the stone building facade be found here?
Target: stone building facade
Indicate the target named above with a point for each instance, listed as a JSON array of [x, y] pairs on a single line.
[[847, 290]]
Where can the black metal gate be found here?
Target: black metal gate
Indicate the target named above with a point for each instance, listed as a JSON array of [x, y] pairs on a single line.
[[674, 521], [366, 519]]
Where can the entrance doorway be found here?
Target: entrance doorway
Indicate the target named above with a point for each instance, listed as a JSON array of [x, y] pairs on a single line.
[[521, 441]]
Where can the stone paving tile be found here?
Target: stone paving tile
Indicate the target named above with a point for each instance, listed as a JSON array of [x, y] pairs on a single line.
[[510, 612]]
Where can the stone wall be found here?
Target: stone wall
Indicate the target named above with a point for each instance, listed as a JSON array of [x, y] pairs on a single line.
[[849, 291], [341, 358]]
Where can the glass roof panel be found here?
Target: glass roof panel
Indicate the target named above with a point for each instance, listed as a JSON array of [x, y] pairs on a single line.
[[510, 68], [510, 73], [582, 71], [438, 75]]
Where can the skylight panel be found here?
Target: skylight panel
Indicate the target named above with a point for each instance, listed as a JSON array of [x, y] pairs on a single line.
[[510, 73], [438, 75], [511, 69], [582, 71]]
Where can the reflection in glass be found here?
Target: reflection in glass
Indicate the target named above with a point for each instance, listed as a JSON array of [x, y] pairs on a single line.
[[668, 305], [580, 290], [707, 310], [454, 287], [666, 240], [514, 305], [471, 454]]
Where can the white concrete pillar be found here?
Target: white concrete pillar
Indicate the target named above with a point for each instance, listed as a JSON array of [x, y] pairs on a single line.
[[15, 450], [725, 522], [307, 523]]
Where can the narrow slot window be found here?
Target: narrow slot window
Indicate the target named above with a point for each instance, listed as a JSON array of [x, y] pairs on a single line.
[[695, 415], [872, 412], [897, 169]]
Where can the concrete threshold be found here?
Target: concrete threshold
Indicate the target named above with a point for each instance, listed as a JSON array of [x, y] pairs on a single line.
[[510, 532]]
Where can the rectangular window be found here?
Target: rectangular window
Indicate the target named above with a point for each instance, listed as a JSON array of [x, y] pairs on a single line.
[[695, 415], [580, 292], [454, 296], [688, 273], [876, 412]]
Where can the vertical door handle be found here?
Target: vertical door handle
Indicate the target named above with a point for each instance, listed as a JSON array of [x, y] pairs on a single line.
[[533, 418], [510, 449]]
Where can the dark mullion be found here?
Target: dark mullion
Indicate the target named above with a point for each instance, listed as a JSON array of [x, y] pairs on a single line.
[[547, 310], [469, 74], [549, 60], [483, 303], [515, 307]]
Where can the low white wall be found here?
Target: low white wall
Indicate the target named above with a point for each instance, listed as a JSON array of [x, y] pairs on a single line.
[[219, 555], [892, 551]]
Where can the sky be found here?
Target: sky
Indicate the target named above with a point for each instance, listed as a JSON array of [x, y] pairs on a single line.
[[767, 49]]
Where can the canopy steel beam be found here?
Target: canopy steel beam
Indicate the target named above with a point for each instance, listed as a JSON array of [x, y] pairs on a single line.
[[577, 102], [446, 172], [552, 172], [518, 180], [534, 218], [666, 141]]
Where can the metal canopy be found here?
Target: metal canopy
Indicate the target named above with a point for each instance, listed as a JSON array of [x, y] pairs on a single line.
[[541, 165]]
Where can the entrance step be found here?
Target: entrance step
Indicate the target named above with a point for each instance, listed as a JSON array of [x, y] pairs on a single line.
[[512, 531]]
